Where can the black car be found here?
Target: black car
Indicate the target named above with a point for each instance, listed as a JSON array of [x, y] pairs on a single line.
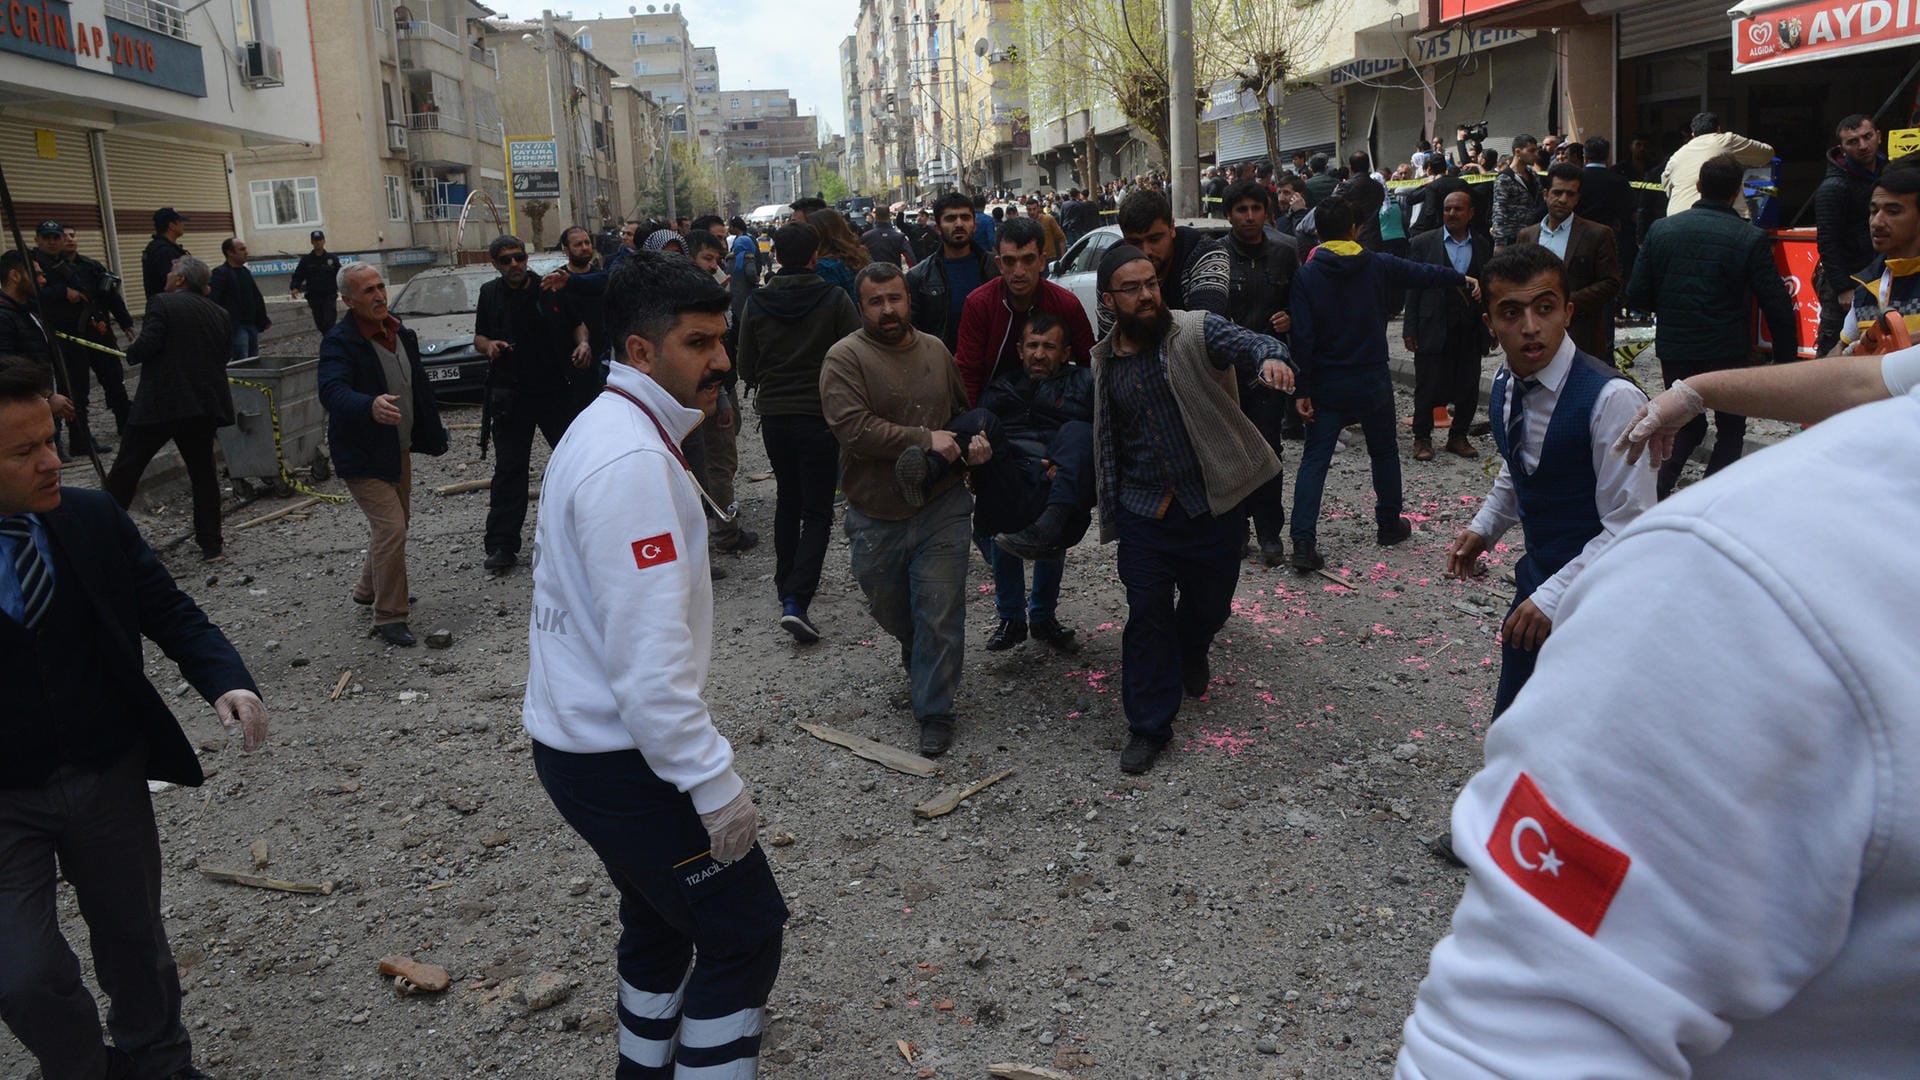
[[438, 305]]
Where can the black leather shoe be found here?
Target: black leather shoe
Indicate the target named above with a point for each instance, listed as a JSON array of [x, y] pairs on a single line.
[[1049, 632], [1307, 558], [1058, 527], [1442, 846], [394, 633], [936, 734], [1390, 535], [1009, 633], [500, 559], [1195, 676], [744, 541], [1273, 552], [1138, 757]]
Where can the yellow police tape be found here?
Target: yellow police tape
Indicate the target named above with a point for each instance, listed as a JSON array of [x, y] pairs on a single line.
[[273, 412]]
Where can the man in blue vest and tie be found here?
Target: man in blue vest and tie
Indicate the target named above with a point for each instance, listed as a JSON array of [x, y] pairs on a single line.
[[1555, 413]]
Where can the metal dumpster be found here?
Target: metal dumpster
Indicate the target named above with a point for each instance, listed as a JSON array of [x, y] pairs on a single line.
[[277, 418]]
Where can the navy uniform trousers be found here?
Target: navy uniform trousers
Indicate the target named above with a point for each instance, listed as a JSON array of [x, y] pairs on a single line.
[[699, 939]]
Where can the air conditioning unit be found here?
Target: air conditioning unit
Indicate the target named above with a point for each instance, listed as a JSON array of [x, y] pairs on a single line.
[[397, 138], [261, 65]]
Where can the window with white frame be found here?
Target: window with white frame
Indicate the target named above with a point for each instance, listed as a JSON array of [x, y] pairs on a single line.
[[639, 38], [396, 198], [584, 39], [640, 67], [380, 15], [292, 201]]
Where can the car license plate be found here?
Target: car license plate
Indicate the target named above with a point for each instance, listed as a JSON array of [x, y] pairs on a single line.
[[443, 374]]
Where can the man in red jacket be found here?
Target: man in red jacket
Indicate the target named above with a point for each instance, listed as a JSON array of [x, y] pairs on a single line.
[[996, 312]]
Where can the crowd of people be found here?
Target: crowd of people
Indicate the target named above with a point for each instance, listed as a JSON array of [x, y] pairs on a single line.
[[928, 374]]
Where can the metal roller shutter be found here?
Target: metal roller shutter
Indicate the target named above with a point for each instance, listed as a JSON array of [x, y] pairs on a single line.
[[1673, 24], [1309, 120], [58, 187], [1239, 138], [1520, 78], [146, 174]]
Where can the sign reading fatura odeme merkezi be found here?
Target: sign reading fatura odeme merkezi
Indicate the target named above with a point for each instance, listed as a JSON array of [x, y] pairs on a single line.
[[47, 30]]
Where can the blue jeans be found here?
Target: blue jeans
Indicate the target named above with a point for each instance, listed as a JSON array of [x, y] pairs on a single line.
[[914, 574], [1011, 603], [1341, 397], [246, 342]]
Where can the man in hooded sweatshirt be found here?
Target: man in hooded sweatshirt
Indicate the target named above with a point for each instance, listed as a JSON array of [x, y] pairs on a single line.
[[1339, 308], [786, 328]]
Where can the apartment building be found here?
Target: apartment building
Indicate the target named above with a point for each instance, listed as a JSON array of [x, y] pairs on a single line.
[[409, 170], [106, 115], [639, 139], [650, 49], [764, 142], [554, 87]]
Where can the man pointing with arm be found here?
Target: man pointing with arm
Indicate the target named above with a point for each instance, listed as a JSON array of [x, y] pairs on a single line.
[[619, 644]]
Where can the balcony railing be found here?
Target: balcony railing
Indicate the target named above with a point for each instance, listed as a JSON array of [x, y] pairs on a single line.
[[435, 121], [156, 15], [486, 58], [421, 30]]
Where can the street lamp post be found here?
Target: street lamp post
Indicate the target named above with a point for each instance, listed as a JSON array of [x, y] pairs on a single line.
[[673, 210]]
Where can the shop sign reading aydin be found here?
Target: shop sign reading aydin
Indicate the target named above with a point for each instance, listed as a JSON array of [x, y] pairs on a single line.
[[46, 30], [1768, 34]]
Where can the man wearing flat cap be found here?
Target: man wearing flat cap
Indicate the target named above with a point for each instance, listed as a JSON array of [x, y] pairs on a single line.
[[1172, 499]]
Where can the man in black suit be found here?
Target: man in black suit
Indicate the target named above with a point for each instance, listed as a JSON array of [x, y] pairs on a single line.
[[380, 412], [1445, 331], [85, 730], [183, 395], [1433, 197]]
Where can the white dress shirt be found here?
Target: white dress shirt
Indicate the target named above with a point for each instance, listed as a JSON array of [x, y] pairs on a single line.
[[1621, 491]]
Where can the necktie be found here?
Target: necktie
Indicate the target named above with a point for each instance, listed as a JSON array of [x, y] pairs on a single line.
[[1517, 421], [29, 570]]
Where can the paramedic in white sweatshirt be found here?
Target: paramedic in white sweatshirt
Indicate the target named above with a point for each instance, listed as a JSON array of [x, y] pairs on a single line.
[[1703, 859], [619, 644]]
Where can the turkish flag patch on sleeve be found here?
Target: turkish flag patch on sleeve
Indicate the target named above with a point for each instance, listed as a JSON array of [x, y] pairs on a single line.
[[1571, 872], [654, 550]]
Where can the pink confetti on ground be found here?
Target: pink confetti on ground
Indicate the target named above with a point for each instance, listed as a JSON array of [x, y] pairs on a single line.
[[1225, 739], [1335, 589], [1382, 630], [1104, 626], [987, 589]]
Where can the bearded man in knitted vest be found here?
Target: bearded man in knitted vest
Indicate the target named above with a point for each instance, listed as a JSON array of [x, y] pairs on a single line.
[[1172, 499]]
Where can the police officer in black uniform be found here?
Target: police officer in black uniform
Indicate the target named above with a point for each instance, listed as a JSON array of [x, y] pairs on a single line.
[[156, 262], [1263, 261], [539, 349], [74, 306], [318, 275]]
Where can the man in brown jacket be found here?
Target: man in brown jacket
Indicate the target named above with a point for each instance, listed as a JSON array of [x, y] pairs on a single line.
[[886, 390], [1593, 263], [1174, 462]]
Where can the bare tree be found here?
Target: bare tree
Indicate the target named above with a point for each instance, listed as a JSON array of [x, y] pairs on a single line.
[[1080, 52], [1260, 45]]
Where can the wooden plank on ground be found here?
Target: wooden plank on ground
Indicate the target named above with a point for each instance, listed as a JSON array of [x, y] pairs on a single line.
[[280, 513], [241, 877], [880, 753], [948, 801]]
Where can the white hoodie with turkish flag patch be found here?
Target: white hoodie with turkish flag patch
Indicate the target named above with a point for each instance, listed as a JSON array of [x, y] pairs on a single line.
[[622, 626], [1695, 846]]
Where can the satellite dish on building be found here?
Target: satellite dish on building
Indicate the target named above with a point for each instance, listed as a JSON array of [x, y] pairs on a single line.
[[649, 9], [980, 47], [631, 10]]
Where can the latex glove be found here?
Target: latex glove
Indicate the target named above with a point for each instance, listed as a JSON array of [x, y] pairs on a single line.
[[245, 710], [1657, 422], [732, 828]]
